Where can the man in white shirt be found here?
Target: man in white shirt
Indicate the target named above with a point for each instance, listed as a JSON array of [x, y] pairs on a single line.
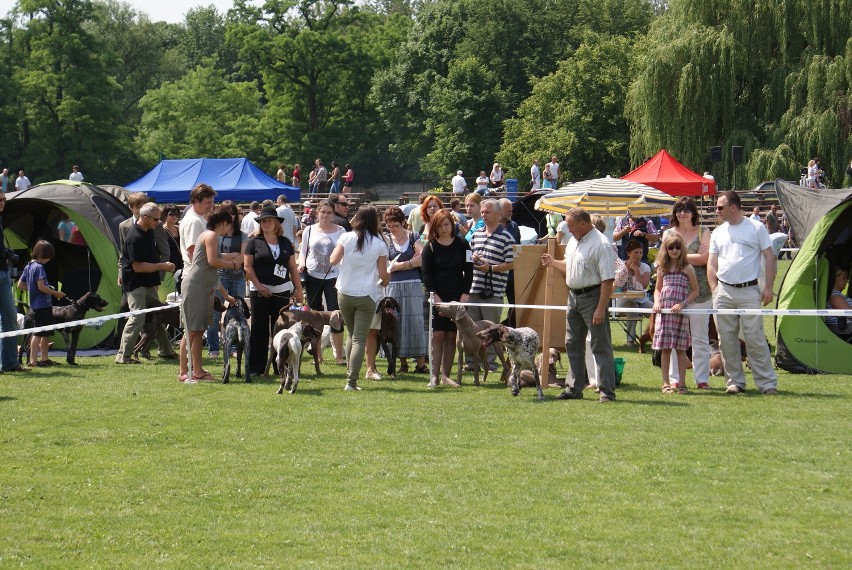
[[535, 175], [589, 274], [249, 223], [22, 182], [290, 225], [733, 269], [76, 175], [482, 184], [459, 185], [755, 214], [552, 172]]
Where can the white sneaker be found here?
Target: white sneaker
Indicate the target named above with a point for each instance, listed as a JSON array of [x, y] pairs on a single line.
[[349, 388], [214, 354], [373, 376]]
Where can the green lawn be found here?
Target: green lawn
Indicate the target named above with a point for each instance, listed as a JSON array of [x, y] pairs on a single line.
[[107, 466]]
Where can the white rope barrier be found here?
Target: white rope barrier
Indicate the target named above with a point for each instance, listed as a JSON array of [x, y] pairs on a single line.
[[763, 312], [96, 322]]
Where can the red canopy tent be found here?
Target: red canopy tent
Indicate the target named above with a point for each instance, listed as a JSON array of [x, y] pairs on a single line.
[[665, 173]]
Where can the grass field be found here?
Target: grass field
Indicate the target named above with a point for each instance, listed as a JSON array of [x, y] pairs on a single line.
[[107, 466]]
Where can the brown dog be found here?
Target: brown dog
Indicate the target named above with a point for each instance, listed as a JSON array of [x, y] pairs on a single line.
[[469, 344], [388, 308], [553, 380]]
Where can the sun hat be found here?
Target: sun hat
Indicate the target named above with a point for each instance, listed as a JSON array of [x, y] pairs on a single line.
[[269, 212]]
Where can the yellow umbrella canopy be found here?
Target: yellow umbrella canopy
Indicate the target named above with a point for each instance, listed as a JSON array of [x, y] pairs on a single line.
[[608, 196]]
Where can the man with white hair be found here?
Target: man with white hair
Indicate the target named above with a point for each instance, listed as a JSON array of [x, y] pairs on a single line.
[[459, 185], [140, 275]]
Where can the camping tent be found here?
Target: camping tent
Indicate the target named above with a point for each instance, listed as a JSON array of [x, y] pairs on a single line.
[[234, 179], [34, 214], [822, 219], [665, 173]]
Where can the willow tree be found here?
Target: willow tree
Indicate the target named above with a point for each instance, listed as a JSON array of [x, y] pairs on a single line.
[[723, 72]]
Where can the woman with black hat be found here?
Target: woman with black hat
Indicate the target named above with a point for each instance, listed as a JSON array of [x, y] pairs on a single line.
[[270, 264]]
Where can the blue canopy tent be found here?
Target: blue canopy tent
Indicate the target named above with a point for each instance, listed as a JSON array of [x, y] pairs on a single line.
[[234, 179]]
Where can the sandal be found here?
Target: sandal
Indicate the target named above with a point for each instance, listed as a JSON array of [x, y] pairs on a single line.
[[50, 362], [421, 369], [667, 389], [206, 377], [403, 367], [681, 389]]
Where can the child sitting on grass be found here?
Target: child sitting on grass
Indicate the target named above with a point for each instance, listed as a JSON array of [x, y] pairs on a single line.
[[34, 280]]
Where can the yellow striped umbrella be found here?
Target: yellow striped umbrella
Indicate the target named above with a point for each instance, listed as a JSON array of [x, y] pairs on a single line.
[[608, 196]]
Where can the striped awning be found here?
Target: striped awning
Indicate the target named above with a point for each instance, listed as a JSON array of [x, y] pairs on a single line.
[[608, 196]]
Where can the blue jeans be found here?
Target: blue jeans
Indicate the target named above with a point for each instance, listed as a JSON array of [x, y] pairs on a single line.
[[8, 323], [237, 288], [335, 187]]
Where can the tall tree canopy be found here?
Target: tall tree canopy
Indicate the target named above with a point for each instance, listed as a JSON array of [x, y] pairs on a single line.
[[67, 96], [769, 76]]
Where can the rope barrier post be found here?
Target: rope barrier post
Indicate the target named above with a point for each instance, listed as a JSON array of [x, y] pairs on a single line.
[[430, 335], [544, 365]]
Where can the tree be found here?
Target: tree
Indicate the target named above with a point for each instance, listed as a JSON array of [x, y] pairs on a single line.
[[67, 96], [202, 114], [575, 113], [760, 75]]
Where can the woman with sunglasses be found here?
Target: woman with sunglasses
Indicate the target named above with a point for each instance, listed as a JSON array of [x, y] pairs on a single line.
[[685, 225]]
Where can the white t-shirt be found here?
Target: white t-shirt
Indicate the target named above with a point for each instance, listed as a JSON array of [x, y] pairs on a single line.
[[459, 184], [359, 274], [289, 224], [249, 225], [22, 183], [318, 247], [566, 233], [554, 172], [535, 174], [632, 283], [482, 183], [76, 176], [739, 248], [191, 226]]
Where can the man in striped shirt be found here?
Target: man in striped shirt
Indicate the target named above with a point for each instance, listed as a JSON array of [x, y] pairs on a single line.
[[492, 260]]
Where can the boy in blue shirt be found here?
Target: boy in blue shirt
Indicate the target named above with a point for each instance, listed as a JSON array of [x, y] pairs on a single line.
[[34, 280]]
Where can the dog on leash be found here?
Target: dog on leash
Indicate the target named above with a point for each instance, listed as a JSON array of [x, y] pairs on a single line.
[[521, 344], [553, 379], [153, 321], [317, 320], [235, 336], [388, 308], [469, 344], [287, 345], [66, 314]]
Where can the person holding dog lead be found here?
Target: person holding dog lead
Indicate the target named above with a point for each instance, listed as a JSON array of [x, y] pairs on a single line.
[[34, 280], [270, 264], [363, 258], [199, 283], [493, 259]]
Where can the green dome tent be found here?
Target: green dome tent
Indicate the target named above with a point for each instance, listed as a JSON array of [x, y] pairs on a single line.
[[34, 214], [822, 221]]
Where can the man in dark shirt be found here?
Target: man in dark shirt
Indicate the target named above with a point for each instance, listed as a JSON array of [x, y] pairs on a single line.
[[8, 314], [341, 211], [140, 275]]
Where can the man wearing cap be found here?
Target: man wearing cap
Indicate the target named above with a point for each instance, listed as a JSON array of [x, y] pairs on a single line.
[[290, 225], [589, 268], [341, 211], [732, 271], [140, 275], [459, 185]]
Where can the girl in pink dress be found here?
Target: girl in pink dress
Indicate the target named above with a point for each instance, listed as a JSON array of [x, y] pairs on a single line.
[[676, 287]]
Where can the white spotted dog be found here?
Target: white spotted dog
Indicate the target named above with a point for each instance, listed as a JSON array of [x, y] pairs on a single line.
[[235, 337], [522, 345], [287, 347]]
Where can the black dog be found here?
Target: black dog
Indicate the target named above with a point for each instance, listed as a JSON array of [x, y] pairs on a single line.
[[235, 335], [389, 331], [69, 313], [153, 321]]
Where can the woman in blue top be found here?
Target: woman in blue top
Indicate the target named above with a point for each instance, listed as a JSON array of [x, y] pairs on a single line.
[[34, 280]]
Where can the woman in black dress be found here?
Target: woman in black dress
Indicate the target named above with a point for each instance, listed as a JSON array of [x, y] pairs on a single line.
[[447, 273]]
